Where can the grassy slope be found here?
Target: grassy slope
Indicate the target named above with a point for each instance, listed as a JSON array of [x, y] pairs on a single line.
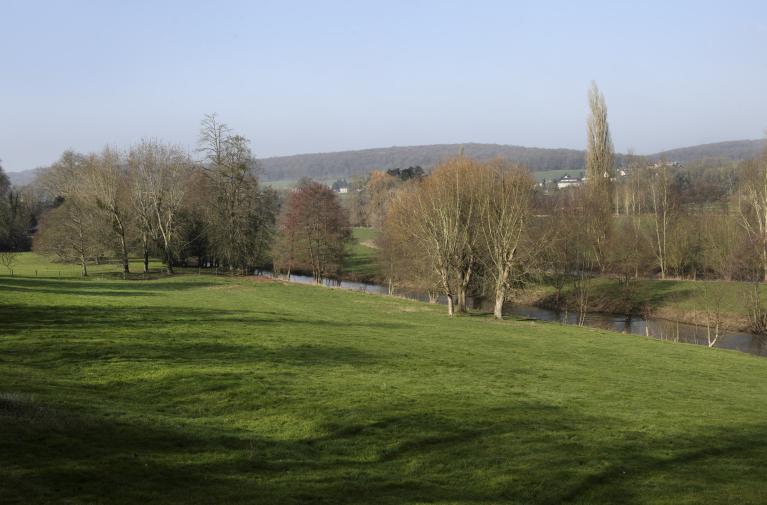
[[210, 390], [361, 263]]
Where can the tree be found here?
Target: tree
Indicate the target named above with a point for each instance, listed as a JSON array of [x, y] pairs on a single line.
[[663, 211], [160, 176], [15, 219], [753, 207], [600, 173], [314, 232], [104, 184], [241, 217], [71, 232], [8, 260], [438, 214], [380, 189], [400, 259], [504, 203]]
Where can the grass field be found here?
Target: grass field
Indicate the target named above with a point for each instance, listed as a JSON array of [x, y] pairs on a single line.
[[196, 389], [361, 264]]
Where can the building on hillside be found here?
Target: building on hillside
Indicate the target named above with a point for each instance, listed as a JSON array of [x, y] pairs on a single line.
[[567, 181]]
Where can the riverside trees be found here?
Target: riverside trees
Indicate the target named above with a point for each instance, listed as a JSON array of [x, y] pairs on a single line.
[[314, 232], [465, 219]]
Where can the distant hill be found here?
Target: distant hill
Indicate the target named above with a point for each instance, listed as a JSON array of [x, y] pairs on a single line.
[[735, 150], [350, 163]]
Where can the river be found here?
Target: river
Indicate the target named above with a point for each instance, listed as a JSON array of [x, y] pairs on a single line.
[[662, 329]]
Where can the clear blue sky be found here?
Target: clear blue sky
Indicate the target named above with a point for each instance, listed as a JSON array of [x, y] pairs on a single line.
[[300, 77]]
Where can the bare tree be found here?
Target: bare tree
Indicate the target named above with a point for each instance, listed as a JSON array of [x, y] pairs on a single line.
[[504, 195], [314, 232], [160, 177], [241, 217], [753, 207], [437, 214], [105, 185], [662, 209], [712, 296], [8, 259], [71, 232]]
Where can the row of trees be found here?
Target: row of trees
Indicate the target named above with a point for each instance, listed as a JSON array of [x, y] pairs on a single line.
[[156, 200], [485, 228], [464, 220]]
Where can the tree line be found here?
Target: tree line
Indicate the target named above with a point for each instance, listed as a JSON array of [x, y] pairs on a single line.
[[485, 229], [155, 200]]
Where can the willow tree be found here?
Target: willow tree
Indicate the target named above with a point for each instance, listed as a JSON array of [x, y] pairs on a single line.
[[600, 173], [439, 214], [504, 202]]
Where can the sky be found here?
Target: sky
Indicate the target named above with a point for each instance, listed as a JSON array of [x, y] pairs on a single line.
[[299, 77]]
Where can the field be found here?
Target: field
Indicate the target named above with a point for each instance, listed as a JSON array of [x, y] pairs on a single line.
[[201, 389], [361, 262]]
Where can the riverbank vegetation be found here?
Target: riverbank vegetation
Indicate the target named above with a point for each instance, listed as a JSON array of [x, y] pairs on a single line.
[[188, 388]]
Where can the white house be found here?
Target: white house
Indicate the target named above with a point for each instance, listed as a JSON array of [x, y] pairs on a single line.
[[567, 181]]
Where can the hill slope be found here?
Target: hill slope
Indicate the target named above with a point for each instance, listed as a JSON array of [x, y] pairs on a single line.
[[349, 163], [197, 389]]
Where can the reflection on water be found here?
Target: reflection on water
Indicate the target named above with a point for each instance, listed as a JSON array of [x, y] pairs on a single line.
[[657, 328]]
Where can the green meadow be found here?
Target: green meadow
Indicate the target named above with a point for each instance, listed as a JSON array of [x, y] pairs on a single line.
[[203, 389]]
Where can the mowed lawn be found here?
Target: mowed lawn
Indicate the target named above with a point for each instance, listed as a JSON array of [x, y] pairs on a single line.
[[196, 389]]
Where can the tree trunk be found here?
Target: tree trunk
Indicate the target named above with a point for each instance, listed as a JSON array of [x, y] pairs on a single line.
[[84, 265], [124, 247], [500, 297], [465, 279], [146, 257], [498, 310], [450, 305], [168, 260], [462, 300]]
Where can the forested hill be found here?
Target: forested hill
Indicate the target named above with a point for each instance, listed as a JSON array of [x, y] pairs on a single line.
[[349, 163], [735, 150]]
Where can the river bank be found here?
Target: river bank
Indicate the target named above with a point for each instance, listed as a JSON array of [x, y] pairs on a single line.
[[523, 306]]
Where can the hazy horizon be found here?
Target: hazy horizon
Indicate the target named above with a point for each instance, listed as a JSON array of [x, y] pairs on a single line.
[[324, 78]]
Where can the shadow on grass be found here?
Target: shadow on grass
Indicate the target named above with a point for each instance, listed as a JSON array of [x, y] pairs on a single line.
[[526, 453], [94, 287], [172, 335]]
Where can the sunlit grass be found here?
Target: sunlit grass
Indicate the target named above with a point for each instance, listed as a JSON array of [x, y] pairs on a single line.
[[200, 389]]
